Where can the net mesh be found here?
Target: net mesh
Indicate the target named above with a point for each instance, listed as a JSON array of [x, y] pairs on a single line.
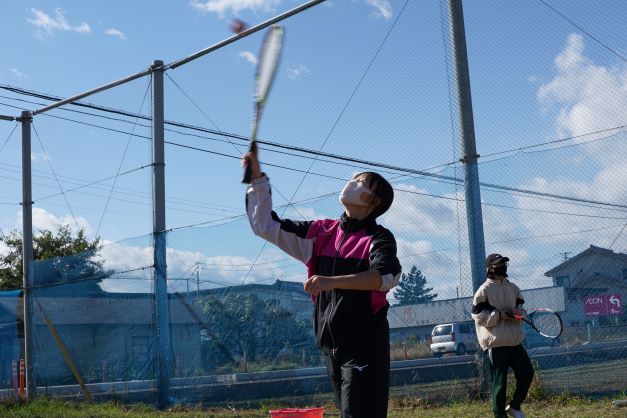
[[355, 91]]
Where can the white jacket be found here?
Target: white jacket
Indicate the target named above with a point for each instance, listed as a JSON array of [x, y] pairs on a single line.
[[489, 304]]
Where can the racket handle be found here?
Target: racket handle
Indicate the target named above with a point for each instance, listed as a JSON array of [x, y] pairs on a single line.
[[248, 171], [247, 175]]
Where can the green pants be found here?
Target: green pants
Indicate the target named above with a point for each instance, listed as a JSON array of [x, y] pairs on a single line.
[[501, 359]]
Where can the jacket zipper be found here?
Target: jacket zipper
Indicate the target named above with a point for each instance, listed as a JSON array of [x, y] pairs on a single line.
[[337, 252]]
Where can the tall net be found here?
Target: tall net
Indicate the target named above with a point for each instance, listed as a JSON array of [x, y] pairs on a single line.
[[362, 86]]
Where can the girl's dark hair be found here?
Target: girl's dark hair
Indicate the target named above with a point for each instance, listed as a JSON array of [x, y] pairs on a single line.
[[381, 188]]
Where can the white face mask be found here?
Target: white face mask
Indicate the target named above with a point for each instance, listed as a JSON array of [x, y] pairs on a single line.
[[354, 193]]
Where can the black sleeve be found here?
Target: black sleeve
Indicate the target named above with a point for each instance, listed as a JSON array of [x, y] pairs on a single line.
[[383, 253], [482, 306], [300, 228]]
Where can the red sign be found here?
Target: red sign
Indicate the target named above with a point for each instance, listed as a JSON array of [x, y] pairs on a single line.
[[603, 305]]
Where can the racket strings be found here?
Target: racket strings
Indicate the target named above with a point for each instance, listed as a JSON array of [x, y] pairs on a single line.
[[547, 323]]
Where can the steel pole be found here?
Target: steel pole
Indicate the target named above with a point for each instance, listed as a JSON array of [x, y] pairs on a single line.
[[27, 251], [472, 188], [164, 346]]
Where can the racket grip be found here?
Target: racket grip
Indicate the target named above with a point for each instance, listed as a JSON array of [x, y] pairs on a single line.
[[248, 171]]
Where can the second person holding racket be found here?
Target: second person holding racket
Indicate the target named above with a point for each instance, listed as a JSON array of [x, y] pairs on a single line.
[[351, 265], [500, 335]]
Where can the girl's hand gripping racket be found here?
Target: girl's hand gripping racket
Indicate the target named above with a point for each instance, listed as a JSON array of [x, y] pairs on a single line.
[[266, 69], [546, 322]]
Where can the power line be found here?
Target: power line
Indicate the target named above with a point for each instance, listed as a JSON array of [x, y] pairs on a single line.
[[380, 165], [513, 207], [618, 235], [498, 188], [128, 142], [290, 147], [55, 177], [243, 138], [613, 51], [439, 177], [135, 202], [9, 137]]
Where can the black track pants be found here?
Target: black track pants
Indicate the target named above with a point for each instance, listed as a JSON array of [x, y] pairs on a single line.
[[501, 359], [360, 380]]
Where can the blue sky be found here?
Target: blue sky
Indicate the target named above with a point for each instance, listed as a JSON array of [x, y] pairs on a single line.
[[369, 79]]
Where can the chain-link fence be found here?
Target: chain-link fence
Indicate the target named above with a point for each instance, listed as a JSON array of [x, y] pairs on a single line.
[[357, 91]]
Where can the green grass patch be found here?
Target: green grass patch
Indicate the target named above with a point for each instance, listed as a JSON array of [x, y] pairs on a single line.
[[400, 407]]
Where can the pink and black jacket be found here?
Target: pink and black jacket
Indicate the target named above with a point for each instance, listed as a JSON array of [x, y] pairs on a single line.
[[342, 318]]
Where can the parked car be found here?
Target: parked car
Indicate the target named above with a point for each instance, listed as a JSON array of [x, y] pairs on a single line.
[[459, 338]]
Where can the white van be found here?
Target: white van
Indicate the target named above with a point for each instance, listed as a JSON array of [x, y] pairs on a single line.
[[458, 338]]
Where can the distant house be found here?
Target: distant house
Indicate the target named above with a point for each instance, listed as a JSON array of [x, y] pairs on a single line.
[[595, 286]]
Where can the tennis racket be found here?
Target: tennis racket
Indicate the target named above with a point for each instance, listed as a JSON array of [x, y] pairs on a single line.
[[266, 70], [546, 322]]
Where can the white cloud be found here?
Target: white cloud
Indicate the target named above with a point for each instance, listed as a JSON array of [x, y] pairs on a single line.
[[38, 157], [418, 214], [4, 250], [554, 227], [115, 32], [585, 97], [82, 28], [224, 7], [383, 8], [588, 97], [42, 219], [19, 74], [297, 70], [47, 24], [217, 270], [249, 56], [303, 214]]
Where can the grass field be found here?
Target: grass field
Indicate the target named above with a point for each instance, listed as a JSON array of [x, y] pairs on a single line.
[[552, 394], [562, 406]]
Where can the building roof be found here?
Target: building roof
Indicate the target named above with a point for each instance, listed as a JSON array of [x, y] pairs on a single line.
[[77, 307], [589, 252], [599, 280]]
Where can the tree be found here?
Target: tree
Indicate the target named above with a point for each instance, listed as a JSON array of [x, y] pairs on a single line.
[[71, 257], [242, 324], [412, 288]]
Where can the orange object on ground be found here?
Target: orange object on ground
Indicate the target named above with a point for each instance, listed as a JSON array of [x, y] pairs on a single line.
[[297, 413]]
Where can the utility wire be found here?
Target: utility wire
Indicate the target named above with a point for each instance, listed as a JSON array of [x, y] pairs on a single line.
[[128, 142], [82, 186], [78, 228], [9, 137], [380, 165], [300, 149], [597, 40], [219, 130], [439, 177], [618, 235], [337, 120]]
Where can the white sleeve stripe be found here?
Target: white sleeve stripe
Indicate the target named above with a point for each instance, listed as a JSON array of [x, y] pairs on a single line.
[[389, 280], [259, 215]]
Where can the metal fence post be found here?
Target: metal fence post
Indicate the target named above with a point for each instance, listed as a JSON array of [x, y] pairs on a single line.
[[471, 171], [162, 314], [27, 251], [472, 189]]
